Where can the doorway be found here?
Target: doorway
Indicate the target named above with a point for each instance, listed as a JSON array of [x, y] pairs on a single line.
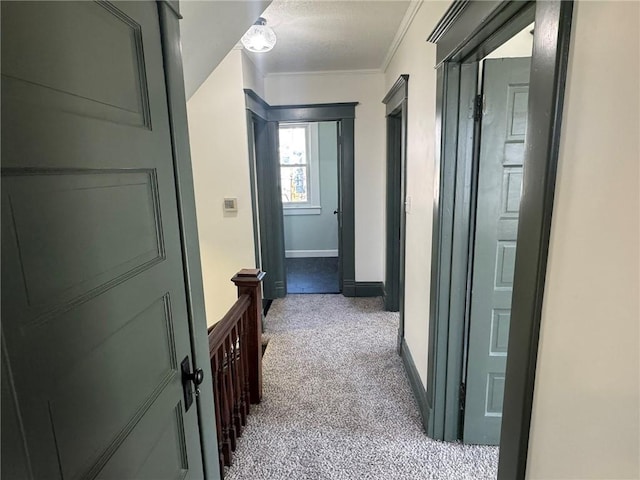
[[396, 112], [308, 160], [483, 199], [467, 33], [501, 124], [394, 211], [270, 197], [397, 203]]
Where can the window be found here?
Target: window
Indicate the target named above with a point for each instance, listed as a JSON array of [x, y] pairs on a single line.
[[299, 173]]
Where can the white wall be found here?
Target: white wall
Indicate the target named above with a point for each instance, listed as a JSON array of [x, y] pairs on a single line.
[[416, 57], [369, 90], [209, 29], [219, 153], [520, 45], [586, 408], [252, 76]]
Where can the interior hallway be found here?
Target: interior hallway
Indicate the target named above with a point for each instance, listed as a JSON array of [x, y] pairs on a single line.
[[337, 403]]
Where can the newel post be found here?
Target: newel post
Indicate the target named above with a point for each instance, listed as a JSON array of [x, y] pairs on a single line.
[[249, 282]]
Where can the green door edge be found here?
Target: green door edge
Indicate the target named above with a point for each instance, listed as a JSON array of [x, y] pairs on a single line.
[[169, 13]]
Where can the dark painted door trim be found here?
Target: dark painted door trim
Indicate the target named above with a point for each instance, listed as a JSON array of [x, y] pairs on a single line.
[[396, 102], [344, 114], [267, 205], [169, 13], [467, 32]]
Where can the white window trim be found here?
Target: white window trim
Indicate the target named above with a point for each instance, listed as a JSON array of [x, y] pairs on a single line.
[[311, 206]]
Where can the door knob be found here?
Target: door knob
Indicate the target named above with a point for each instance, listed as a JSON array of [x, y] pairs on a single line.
[[196, 377], [335, 212], [188, 377]]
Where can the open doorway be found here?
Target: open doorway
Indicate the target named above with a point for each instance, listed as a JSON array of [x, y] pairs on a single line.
[[272, 193], [496, 185], [486, 294], [396, 202], [308, 158]]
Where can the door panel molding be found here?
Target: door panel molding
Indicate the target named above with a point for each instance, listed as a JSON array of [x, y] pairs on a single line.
[[494, 248], [96, 226], [467, 32], [58, 87], [39, 197]]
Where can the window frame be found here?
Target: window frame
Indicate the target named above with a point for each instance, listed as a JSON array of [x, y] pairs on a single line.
[[312, 205]]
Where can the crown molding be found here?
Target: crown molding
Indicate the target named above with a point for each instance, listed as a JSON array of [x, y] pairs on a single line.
[[373, 71], [406, 22]]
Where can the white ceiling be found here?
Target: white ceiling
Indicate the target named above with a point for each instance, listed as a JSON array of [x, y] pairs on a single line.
[[209, 30], [325, 35], [313, 35]]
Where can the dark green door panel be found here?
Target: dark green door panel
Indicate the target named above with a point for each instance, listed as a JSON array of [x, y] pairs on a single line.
[[94, 314], [270, 221], [395, 211], [504, 122]]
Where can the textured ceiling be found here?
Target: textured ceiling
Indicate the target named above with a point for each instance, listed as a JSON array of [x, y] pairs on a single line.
[[321, 35], [209, 30]]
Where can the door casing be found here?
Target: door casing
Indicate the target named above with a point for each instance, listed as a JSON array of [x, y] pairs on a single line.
[[396, 104], [468, 31]]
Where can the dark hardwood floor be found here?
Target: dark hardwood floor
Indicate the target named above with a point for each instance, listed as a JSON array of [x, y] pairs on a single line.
[[312, 275]]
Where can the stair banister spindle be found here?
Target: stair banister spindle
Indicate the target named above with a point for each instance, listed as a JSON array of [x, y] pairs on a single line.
[[235, 348], [249, 282]]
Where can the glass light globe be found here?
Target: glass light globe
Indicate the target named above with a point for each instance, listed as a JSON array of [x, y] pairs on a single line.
[[259, 38]]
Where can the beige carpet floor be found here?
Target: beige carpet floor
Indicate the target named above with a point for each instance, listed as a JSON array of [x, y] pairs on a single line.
[[337, 403]]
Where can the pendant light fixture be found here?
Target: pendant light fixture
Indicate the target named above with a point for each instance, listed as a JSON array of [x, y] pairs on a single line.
[[259, 38]]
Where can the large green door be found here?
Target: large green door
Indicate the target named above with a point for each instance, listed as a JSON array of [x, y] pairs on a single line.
[[270, 221], [504, 122], [394, 213], [94, 318]]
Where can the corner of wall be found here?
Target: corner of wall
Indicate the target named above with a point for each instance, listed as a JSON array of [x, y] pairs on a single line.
[[253, 73], [220, 159]]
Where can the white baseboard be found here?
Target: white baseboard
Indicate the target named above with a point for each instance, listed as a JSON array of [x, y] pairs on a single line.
[[310, 253]]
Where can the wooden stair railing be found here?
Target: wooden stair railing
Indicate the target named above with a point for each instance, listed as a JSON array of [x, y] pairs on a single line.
[[235, 351]]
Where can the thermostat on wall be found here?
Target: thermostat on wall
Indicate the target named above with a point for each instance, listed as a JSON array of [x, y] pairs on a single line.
[[230, 205]]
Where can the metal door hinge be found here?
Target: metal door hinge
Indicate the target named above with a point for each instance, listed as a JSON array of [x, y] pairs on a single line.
[[463, 397], [478, 107]]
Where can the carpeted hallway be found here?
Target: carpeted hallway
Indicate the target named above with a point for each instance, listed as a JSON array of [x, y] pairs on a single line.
[[337, 404]]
